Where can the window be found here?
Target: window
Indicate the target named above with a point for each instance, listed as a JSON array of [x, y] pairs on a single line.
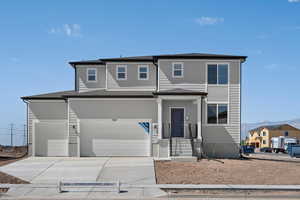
[[264, 142], [91, 75], [177, 70], [286, 133], [217, 113], [121, 72], [217, 74], [143, 73], [264, 133]]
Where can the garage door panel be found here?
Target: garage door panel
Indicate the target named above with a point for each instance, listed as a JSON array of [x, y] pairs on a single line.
[[51, 138], [106, 137]]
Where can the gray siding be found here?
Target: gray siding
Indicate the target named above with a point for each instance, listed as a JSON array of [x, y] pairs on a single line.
[[44, 110], [195, 74], [82, 83], [132, 81], [223, 140]]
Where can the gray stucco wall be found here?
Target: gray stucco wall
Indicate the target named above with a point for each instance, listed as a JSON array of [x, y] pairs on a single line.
[[84, 85], [132, 81]]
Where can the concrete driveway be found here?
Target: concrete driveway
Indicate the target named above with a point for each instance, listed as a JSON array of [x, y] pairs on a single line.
[[45, 172], [133, 170]]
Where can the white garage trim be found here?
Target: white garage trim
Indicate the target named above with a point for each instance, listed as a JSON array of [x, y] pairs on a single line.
[[107, 144], [52, 141]]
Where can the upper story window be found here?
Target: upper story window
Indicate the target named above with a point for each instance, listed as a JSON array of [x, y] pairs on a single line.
[[121, 72], [217, 113], [217, 74], [143, 72], [91, 74], [264, 133], [177, 70], [286, 133]]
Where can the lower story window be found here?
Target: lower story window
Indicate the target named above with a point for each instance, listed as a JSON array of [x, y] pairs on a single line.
[[217, 113]]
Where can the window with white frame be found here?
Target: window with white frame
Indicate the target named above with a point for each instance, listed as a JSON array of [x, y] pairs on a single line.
[[177, 70], [217, 113], [143, 72], [217, 74], [121, 72], [91, 74]]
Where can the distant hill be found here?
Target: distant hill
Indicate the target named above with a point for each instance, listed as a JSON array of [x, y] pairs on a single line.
[[248, 126]]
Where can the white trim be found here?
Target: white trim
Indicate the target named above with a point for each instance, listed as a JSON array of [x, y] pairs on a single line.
[[117, 68], [106, 75], [96, 75], [68, 127], [217, 114], [178, 97], [199, 118], [182, 69], [218, 63], [147, 72], [33, 136], [170, 116], [46, 101], [159, 117]]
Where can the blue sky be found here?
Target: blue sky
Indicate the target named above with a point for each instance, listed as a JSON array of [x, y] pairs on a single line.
[[38, 38]]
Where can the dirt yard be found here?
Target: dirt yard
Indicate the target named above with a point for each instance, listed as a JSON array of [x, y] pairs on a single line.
[[228, 171], [5, 178]]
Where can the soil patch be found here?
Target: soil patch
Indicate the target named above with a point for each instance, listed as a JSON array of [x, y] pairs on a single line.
[[8, 179], [228, 171]]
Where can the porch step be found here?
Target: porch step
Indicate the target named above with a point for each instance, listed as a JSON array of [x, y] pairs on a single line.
[[181, 147], [184, 158]]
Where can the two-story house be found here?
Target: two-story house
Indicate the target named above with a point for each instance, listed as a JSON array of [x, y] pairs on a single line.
[[160, 106], [260, 137]]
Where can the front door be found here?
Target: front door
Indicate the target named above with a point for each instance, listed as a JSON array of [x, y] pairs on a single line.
[[177, 122]]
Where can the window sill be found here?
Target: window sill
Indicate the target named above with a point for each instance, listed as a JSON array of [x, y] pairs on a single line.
[[216, 124], [220, 85]]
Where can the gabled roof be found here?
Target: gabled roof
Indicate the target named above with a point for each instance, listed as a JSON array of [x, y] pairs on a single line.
[[154, 58], [274, 127]]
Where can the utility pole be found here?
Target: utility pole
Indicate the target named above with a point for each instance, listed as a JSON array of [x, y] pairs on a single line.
[[11, 134]]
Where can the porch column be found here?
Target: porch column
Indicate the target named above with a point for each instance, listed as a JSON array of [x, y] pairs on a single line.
[[199, 118], [159, 118]]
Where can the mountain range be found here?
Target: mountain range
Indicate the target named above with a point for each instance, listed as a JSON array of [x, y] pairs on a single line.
[[248, 126]]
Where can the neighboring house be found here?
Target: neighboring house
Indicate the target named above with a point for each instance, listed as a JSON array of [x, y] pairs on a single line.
[[261, 137], [160, 106]]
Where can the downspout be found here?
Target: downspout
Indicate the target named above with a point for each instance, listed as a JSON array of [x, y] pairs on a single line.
[[27, 126], [154, 63]]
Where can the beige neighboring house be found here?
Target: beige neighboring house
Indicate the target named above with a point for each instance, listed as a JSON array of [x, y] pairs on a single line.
[[261, 137]]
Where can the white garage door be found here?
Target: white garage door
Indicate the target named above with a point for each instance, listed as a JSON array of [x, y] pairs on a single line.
[[122, 137], [50, 138]]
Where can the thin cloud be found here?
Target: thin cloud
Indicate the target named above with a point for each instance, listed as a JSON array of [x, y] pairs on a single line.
[[70, 30], [271, 66], [293, 1], [203, 21]]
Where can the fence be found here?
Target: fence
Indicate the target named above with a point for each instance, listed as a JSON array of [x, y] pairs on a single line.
[[13, 135]]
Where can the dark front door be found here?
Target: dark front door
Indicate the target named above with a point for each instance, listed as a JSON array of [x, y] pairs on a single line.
[[177, 122]]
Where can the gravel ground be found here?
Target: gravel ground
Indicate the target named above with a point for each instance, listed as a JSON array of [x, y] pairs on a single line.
[[229, 171]]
